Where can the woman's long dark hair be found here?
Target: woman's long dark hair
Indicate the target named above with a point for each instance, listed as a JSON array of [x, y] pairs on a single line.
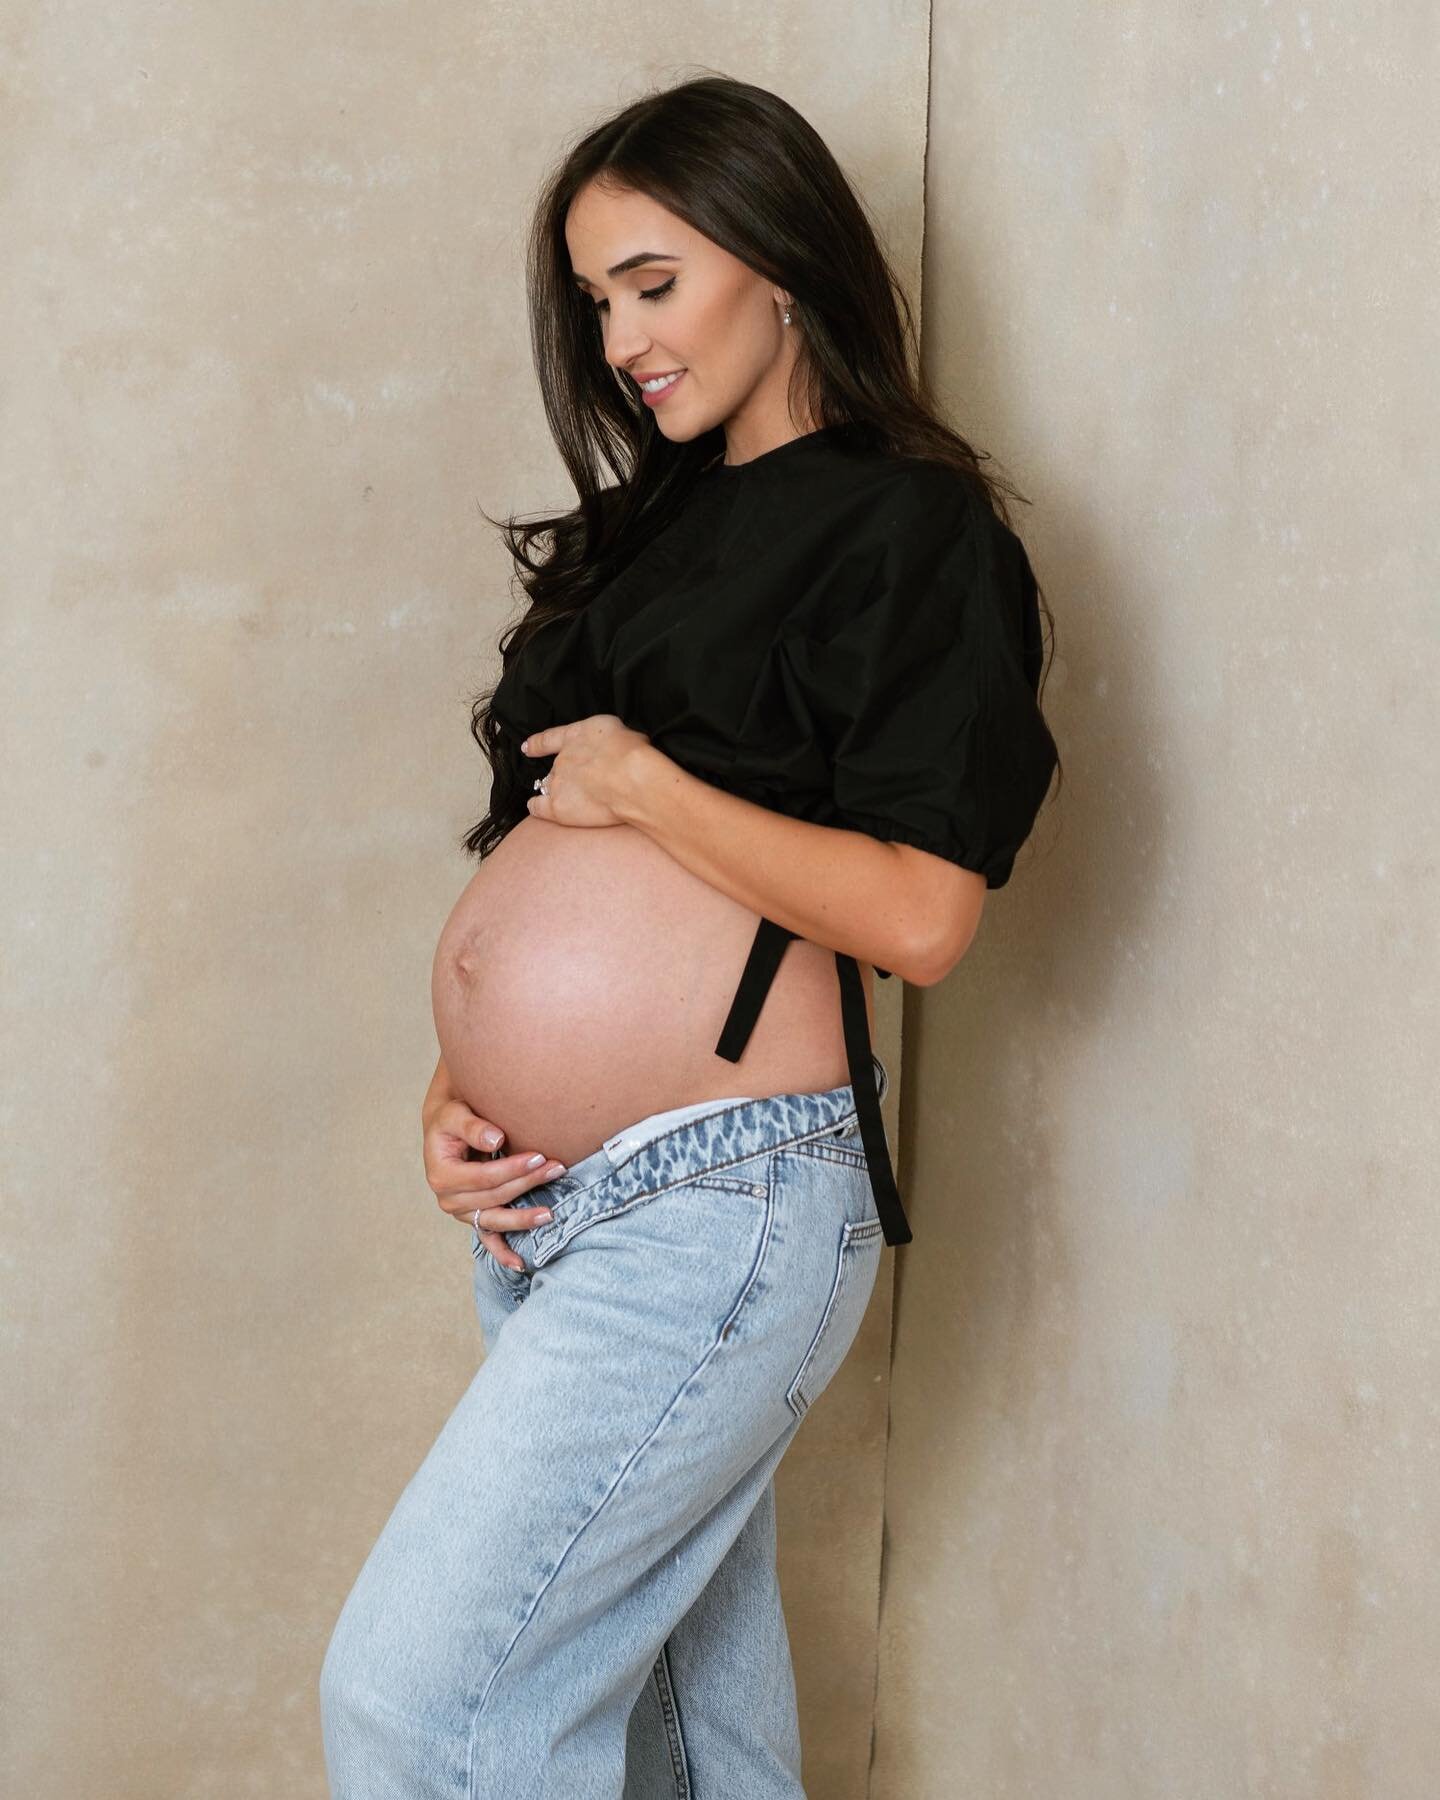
[[742, 167]]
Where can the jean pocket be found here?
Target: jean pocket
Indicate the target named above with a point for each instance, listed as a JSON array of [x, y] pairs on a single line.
[[502, 1272], [856, 1265], [849, 1151], [729, 1184]]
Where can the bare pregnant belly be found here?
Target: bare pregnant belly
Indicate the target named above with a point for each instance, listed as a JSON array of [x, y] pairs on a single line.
[[583, 980]]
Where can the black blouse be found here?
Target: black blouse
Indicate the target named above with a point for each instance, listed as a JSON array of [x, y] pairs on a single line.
[[843, 636]]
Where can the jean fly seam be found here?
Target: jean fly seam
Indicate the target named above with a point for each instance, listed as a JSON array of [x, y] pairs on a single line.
[[630, 1462]]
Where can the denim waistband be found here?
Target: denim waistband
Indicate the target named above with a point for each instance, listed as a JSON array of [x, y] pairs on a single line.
[[622, 1171], [617, 1148]]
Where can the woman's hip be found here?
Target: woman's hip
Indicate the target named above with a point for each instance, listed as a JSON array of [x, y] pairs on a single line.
[[737, 1248]]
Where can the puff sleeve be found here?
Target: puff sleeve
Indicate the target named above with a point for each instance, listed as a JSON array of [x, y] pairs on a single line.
[[927, 692]]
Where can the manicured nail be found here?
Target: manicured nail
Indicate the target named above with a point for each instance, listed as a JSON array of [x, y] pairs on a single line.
[[545, 1215], [535, 1161], [492, 1137]]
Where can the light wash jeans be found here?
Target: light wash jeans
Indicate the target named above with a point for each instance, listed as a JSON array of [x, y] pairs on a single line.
[[575, 1596]]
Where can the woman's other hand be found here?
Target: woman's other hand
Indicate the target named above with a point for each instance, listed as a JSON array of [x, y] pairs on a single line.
[[464, 1173]]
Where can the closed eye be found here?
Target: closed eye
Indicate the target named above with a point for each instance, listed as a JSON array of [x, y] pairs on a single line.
[[658, 293]]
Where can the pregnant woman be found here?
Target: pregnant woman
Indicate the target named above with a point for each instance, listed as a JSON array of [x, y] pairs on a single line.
[[769, 724]]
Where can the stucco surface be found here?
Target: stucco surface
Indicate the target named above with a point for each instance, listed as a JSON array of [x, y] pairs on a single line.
[[1153, 1516], [265, 354], [1161, 1515]]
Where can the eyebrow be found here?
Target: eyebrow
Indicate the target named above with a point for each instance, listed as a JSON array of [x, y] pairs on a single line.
[[632, 262]]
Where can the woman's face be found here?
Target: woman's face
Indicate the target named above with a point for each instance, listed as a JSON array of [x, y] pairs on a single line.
[[684, 304]]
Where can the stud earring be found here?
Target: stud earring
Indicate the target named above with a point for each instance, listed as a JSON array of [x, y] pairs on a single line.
[[787, 315]]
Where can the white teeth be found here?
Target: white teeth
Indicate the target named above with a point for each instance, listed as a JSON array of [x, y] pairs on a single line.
[[662, 381]]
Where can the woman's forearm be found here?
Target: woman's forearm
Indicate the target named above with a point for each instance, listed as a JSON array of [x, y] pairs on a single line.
[[838, 888]]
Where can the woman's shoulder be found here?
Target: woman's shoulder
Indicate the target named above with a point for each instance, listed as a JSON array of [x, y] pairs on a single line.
[[882, 493], [933, 491]]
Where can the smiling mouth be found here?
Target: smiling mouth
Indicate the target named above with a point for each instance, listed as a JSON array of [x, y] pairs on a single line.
[[656, 384]]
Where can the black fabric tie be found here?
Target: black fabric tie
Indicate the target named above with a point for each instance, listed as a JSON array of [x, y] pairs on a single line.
[[768, 947]]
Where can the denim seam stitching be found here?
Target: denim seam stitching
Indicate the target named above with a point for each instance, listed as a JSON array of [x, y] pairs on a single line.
[[852, 1234], [670, 1712], [767, 1193], [726, 1184], [819, 1151]]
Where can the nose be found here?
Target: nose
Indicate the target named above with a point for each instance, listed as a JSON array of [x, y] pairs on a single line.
[[625, 345]]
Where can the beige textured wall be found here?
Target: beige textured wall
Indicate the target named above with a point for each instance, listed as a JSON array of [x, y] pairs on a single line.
[[1162, 1514], [265, 348], [1160, 1509]]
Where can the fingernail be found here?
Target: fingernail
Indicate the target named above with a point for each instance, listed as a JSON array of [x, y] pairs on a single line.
[[535, 1161], [545, 1215], [492, 1137]]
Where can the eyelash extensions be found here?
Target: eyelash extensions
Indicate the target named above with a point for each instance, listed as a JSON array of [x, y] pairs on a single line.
[[658, 293]]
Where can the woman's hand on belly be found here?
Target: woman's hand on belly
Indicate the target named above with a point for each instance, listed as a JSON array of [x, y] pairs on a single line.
[[475, 1191], [591, 757]]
